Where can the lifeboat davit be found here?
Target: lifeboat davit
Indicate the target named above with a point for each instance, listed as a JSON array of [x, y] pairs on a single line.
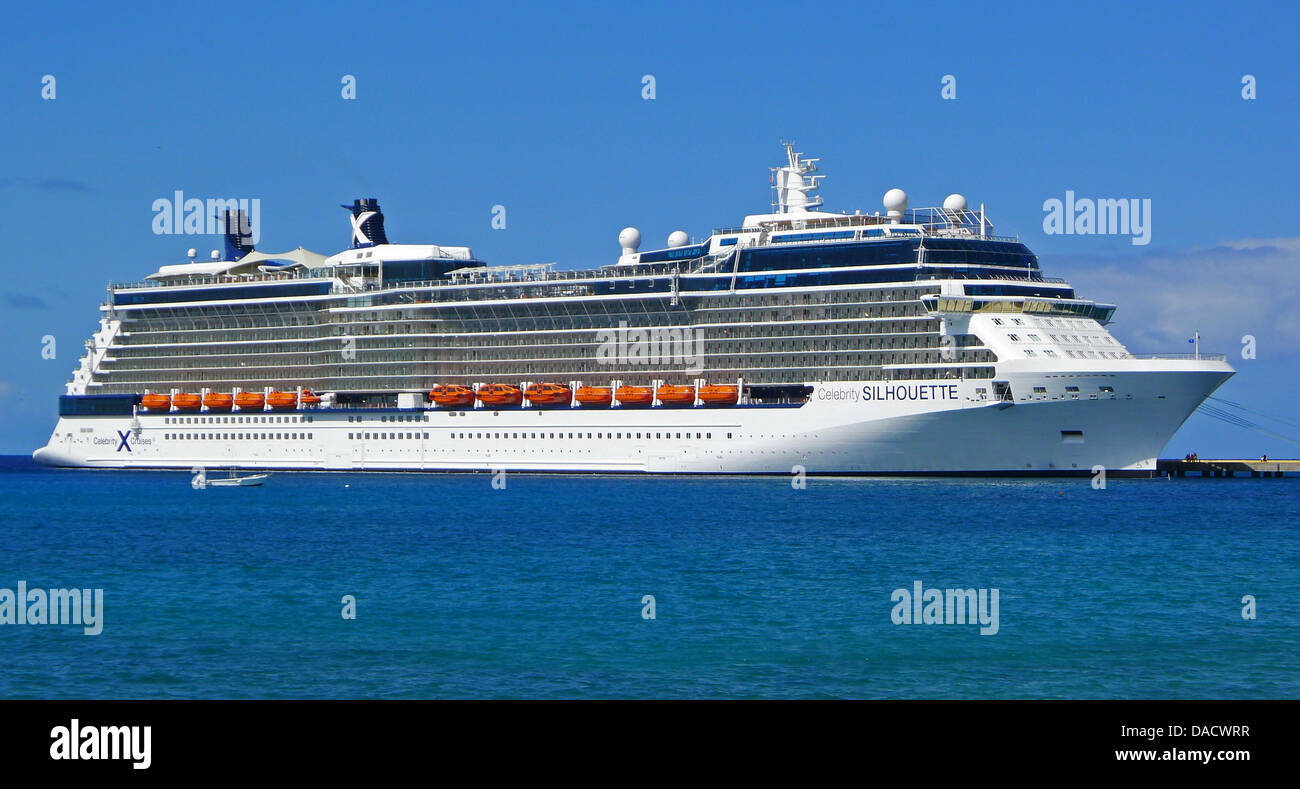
[[720, 394], [282, 399], [635, 395], [500, 394], [156, 402], [216, 401], [250, 400], [548, 394], [308, 397], [452, 396], [187, 402], [670, 394], [594, 395]]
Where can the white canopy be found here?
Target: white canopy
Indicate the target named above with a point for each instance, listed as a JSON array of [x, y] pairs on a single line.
[[245, 265]]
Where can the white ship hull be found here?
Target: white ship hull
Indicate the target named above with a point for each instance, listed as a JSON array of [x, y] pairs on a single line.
[[940, 427]]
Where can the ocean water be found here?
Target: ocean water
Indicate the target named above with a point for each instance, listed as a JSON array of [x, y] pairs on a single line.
[[760, 590]]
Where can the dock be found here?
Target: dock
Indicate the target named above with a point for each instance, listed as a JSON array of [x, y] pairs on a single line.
[[1225, 467]]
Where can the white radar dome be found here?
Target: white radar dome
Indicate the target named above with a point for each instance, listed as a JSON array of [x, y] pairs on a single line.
[[678, 238], [895, 202], [216, 254], [192, 253], [954, 202], [629, 239]]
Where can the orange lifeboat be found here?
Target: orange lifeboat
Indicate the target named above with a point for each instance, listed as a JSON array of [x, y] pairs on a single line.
[[156, 402], [216, 401], [187, 402], [309, 397], [594, 395], [282, 399], [635, 395], [252, 400], [676, 395], [720, 394], [548, 394], [500, 394], [452, 395]]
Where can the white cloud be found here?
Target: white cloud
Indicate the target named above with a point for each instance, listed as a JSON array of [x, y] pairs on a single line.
[[1286, 244], [1248, 286]]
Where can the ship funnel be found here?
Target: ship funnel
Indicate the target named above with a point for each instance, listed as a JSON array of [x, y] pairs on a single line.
[[238, 233], [367, 223]]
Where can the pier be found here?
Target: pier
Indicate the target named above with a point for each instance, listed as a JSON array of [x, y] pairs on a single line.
[[1209, 467]]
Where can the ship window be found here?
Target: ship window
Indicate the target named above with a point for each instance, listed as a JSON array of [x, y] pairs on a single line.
[[728, 435], [708, 435], [426, 435], [1107, 389], [1071, 388]]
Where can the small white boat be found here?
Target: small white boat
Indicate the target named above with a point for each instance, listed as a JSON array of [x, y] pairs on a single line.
[[251, 480]]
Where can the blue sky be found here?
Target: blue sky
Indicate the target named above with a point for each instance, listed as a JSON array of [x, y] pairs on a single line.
[[539, 108]]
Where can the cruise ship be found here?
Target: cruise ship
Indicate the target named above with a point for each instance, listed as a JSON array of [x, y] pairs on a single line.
[[802, 341]]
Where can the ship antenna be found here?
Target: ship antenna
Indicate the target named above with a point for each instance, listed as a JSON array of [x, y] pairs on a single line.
[[792, 183]]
